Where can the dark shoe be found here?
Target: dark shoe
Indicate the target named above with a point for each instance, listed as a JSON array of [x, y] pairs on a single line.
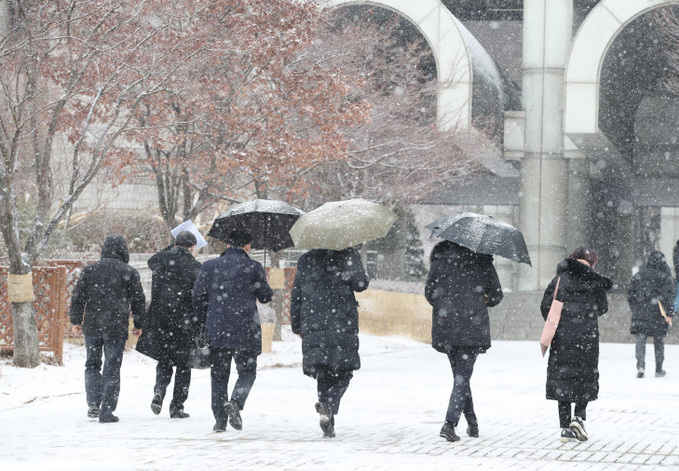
[[157, 403], [327, 419], [578, 428], [567, 435], [640, 374], [178, 414], [93, 412], [108, 418], [448, 432], [233, 411], [219, 427], [473, 430], [660, 374]]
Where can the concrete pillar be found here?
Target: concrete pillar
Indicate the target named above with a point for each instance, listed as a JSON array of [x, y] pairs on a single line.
[[547, 32]]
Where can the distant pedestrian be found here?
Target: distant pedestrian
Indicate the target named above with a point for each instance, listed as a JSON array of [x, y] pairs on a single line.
[[651, 287], [224, 297], [573, 366], [461, 285], [323, 311], [171, 325], [103, 296]]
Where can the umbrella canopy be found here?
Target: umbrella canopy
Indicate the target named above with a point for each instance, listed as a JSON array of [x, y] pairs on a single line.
[[483, 234], [341, 224], [267, 221]]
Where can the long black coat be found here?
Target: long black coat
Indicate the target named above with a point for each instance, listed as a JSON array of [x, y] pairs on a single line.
[[225, 296], [170, 325], [651, 284], [323, 308], [106, 291], [573, 366], [460, 286]]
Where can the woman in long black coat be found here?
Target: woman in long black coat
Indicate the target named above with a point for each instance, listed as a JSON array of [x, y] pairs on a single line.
[[324, 313], [573, 366], [461, 285], [171, 325], [652, 284]]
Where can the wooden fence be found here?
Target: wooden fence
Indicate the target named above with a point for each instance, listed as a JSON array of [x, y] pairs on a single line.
[[49, 286]]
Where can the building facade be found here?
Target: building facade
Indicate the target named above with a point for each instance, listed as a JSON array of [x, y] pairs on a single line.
[[589, 156]]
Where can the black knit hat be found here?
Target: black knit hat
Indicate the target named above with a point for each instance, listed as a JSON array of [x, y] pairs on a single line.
[[185, 239], [239, 238]]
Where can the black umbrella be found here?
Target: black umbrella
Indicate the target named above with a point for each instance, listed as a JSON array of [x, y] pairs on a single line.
[[483, 234], [267, 221]]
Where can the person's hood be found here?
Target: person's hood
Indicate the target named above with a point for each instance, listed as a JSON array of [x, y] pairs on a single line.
[[115, 247], [584, 273], [656, 261], [447, 250]]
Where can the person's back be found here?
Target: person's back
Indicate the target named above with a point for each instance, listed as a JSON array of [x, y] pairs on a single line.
[[104, 295], [225, 296], [105, 292], [649, 288], [228, 288]]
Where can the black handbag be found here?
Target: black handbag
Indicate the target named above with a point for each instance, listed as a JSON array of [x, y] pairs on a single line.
[[199, 356]]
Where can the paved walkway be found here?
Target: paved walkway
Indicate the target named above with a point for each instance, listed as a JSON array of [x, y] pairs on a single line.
[[389, 420]]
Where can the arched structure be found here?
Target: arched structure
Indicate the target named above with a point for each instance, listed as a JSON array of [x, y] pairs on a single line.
[[446, 37], [583, 69]]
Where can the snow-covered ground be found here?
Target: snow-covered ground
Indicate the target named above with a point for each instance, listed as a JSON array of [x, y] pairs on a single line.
[[389, 419]]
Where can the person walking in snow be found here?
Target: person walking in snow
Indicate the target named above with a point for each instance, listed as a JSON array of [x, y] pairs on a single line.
[[573, 365], [224, 297], [461, 285], [323, 311], [650, 286], [100, 308], [171, 325]]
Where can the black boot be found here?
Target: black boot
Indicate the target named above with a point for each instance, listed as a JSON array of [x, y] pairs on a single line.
[[93, 412], [178, 412], [157, 402], [448, 432], [233, 411], [327, 419]]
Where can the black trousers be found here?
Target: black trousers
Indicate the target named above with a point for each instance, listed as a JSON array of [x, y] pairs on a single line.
[[640, 352], [102, 387], [332, 384], [182, 381], [462, 360], [565, 412], [246, 365]]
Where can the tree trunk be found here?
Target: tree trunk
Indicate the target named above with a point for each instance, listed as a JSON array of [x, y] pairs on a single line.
[[26, 346]]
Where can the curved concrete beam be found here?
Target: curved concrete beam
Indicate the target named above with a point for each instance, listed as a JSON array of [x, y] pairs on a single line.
[[583, 70], [453, 63]]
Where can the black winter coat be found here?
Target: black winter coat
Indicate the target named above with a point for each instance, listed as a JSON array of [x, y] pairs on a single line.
[[651, 284], [323, 308], [225, 296], [573, 366], [170, 325], [460, 286], [105, 292]]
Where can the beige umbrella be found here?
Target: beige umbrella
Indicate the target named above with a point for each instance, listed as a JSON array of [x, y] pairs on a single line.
[[341, 224]]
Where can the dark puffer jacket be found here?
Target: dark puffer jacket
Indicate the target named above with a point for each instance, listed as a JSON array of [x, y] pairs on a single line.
[[460, 287], [105, 292], [651, 284], [573, 366], [323, 308], [170, 326]]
